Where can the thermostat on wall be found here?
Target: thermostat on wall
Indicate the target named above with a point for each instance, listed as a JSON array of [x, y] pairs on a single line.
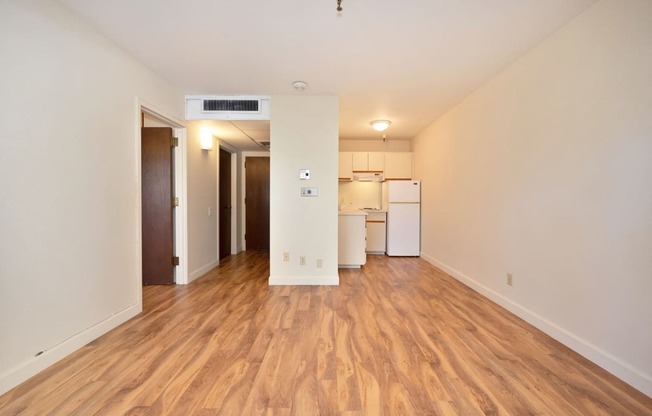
[[304, 174]]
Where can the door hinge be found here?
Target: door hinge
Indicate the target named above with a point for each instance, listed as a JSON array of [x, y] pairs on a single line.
[[175, 201], [175, 261], [174, 142], [245, 237]]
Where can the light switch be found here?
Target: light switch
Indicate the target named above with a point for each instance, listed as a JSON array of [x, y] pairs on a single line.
[[304, 174], [309, 191]]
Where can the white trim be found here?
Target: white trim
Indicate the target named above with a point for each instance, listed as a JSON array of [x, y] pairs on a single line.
[[231, 149], [180, 181], [304, 281], [17, 375], [181, 212], [629, 374], [203, 270], [235, 206], [234, 196], [235, 203], [218, 207]]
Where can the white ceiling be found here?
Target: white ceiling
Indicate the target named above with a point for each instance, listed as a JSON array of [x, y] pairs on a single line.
[[408, 61], [246, 135]]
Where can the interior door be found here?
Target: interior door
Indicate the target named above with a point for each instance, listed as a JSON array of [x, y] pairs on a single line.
[[157, 221], [257, 203], [225, 204]]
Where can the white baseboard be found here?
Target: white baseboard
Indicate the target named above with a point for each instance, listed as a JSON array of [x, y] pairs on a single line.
[[304, 281], [203, 270], [35, 365], [629, 374]]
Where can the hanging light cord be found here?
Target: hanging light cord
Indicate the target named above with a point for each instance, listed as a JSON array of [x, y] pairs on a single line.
[[339, 5]]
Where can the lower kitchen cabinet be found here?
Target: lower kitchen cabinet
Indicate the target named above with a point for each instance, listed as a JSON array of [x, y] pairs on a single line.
[[376, 232], [351, 239]]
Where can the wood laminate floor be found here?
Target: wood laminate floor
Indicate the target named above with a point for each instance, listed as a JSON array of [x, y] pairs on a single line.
[[397, 337]]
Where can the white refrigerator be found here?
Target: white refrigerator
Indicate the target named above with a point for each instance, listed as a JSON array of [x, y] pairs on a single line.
[[402, 200]]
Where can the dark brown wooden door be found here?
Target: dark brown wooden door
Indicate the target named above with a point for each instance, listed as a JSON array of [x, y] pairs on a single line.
[[225, 204], [257, 203], [158, 225]]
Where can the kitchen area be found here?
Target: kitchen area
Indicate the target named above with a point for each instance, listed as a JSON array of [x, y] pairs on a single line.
[[379, 207]]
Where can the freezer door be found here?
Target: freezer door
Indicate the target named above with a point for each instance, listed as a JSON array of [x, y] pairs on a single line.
[[403, 229], [404, 191]]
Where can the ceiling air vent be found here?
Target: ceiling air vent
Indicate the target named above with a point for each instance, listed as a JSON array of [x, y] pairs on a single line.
[[227, 107], [231, 105]]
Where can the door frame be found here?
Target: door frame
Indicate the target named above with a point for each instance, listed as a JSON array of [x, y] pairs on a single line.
[[234, 196], [243, 193], [180, 191], [235, 246], [235, 202]]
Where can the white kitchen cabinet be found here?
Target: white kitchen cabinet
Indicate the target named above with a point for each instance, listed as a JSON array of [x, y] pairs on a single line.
[[398, 165], [360, 161], [376, 232], [368, 161], [376, 161], [351, 239], [345, 169]]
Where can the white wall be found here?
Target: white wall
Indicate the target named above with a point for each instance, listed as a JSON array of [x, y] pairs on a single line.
[[304, 131], [151, 121], [202, 196], [69, 264], [374, 145], [357, 194], [546, 172]]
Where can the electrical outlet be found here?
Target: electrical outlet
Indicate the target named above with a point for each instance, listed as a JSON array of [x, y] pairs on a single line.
[[286, 256], [302, 260], [320, 263], [510, 279]]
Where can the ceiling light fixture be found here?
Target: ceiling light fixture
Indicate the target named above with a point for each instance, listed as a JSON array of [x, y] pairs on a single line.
[[380, 125], [299, 85]]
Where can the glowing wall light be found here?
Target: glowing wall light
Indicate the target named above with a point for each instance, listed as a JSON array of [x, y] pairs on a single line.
[[206, 139]]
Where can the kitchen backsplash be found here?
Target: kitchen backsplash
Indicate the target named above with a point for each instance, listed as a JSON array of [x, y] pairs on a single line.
[[360, 194]]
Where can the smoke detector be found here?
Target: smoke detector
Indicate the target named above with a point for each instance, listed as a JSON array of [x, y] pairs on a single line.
[[299, 85]]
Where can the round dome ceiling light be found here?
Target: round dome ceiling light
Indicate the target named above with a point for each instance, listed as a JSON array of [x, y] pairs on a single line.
[[380, 125], [299, 85]]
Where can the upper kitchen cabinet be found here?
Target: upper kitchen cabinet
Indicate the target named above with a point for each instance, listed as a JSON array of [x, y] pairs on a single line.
[[398, 165], [368, 161], [345, 169]]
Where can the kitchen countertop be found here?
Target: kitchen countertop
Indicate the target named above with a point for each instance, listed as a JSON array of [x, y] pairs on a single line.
[[374, 210], [352, 212]]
